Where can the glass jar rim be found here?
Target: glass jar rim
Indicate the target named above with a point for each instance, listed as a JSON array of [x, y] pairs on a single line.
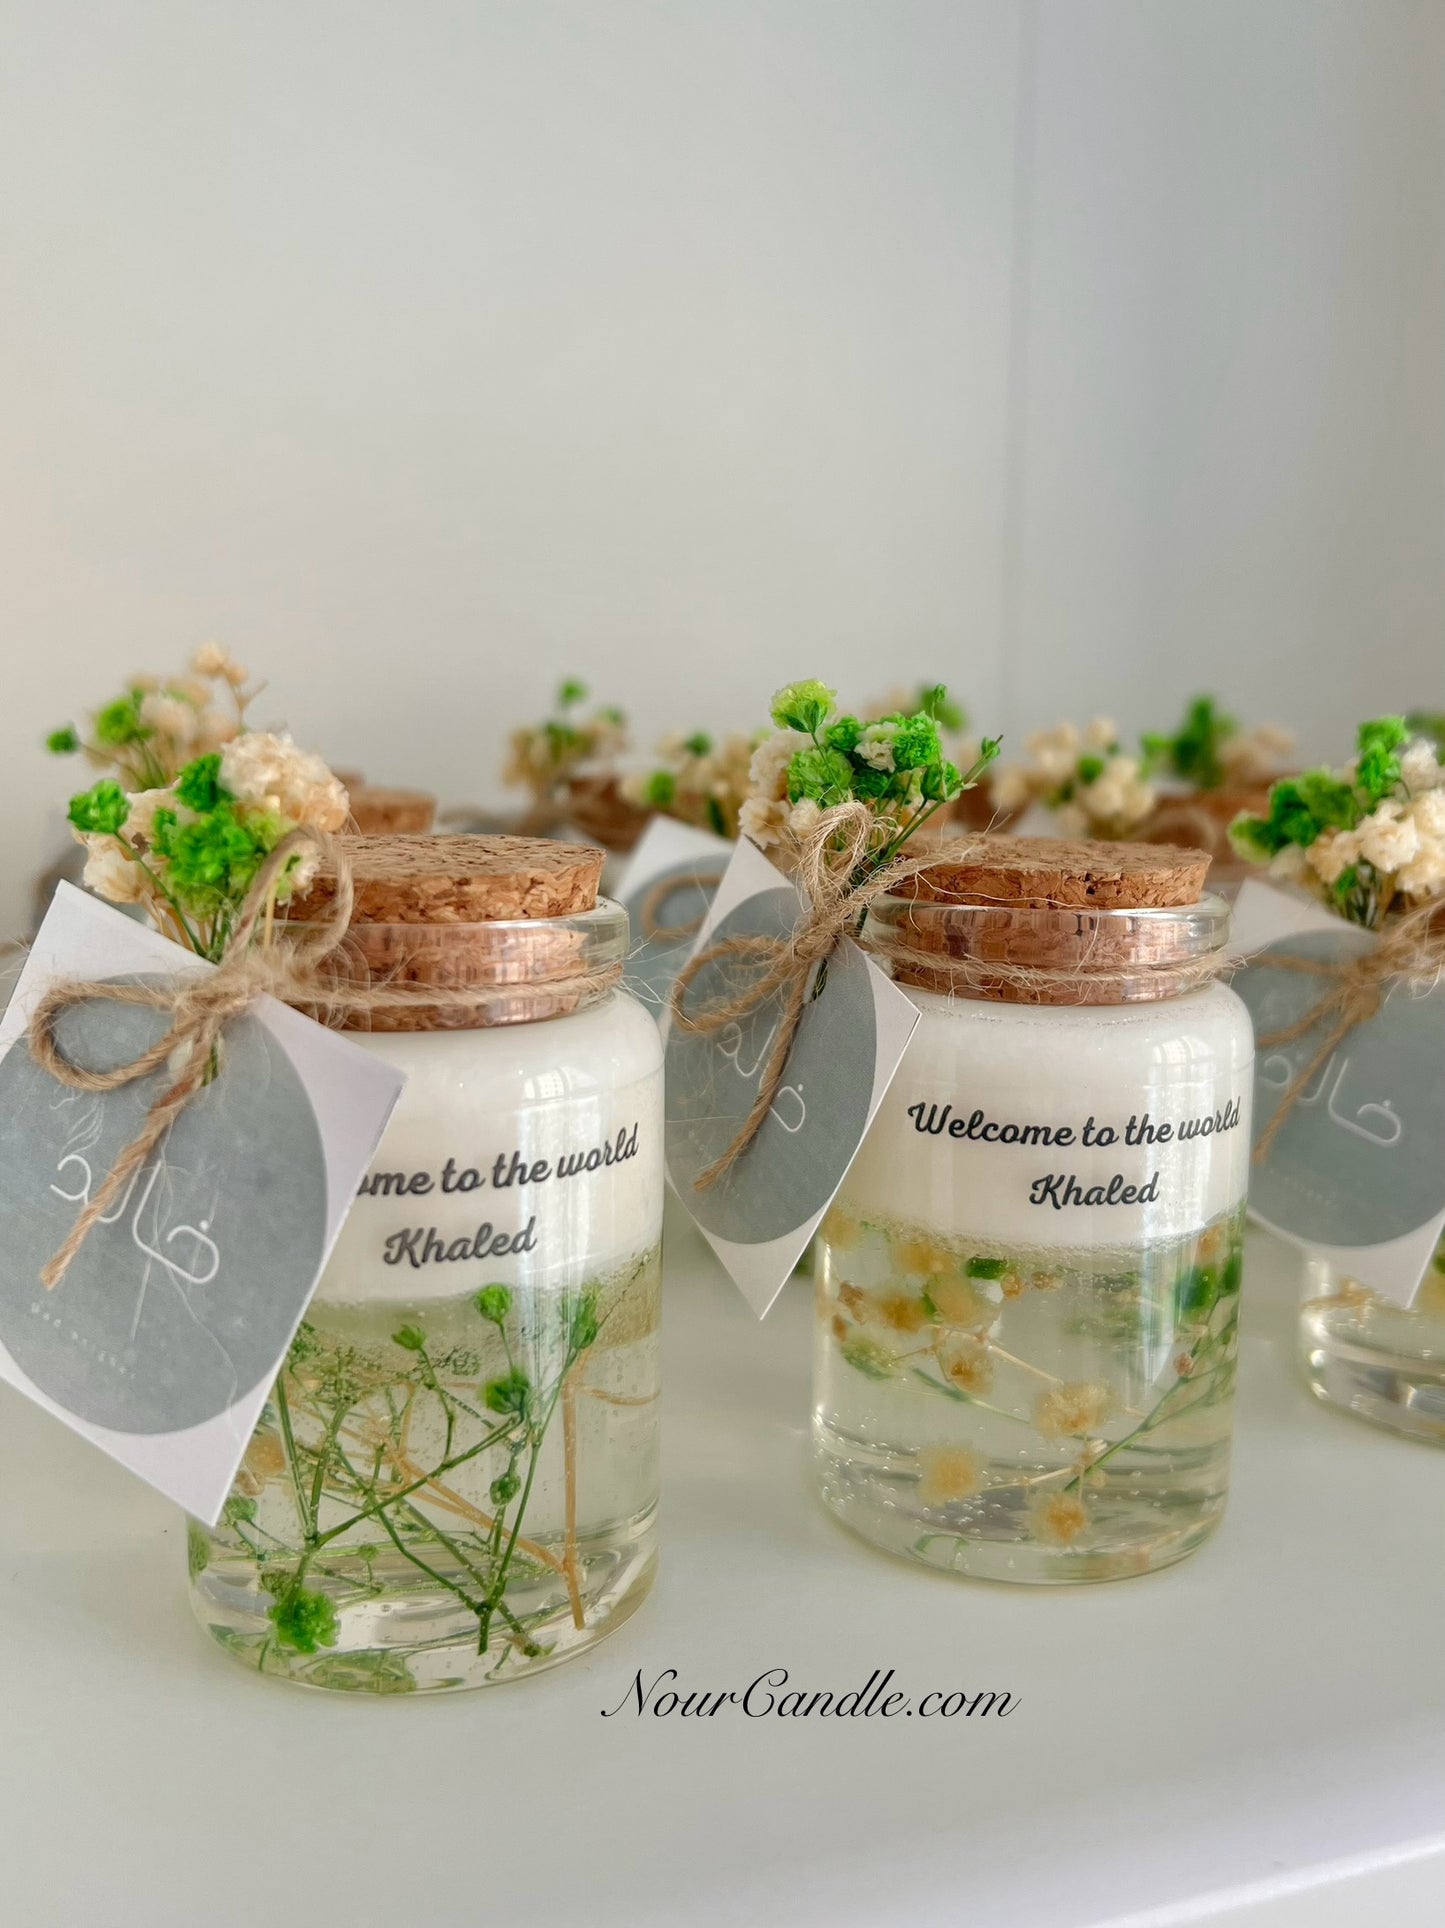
[[521, 969], [1049, 953]]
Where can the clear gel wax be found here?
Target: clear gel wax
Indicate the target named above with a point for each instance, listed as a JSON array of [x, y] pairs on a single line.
[[1028, 1288], [455, 1479]]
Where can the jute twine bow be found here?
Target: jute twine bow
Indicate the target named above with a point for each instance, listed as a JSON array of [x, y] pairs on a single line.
[[303, 969], [836, 891], [1410, 952]]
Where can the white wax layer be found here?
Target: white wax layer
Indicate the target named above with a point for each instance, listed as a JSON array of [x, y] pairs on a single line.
[[544, 1091], [1176, 1059]]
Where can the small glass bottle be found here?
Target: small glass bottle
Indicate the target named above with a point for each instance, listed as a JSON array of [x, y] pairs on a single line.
[[1369, 1356], [1028, 1289], [455, 1478]]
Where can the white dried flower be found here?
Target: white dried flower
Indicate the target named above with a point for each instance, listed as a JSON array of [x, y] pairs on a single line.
[[1429, 814], [169, 716], [270, 772], [804, 816], [141, 817], [1055, 751], [1389, 840], [1250, 755], [1101, 734], [1425, 875], [1010, 787], [764, 819], [1420, 767], [110, 872], [875, 746], [1332, 853], [210, 660], [768, 767], [1289, 865], [635, 786]]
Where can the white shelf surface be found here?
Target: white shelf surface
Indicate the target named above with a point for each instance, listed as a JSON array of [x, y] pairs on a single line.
[[1256, 1736]]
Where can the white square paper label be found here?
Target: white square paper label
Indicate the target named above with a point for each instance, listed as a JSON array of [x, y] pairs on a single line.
[[160, 1343]]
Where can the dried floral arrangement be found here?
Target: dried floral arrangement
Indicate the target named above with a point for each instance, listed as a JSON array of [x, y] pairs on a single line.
[[547, 758], [1209, 750], [1367, 839], [1084, 777], [197, 804], [698, 778], [817, 758], [157, 725]]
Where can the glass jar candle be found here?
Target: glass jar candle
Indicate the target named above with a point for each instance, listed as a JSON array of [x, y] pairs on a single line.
[[1369, 1356], [455, 1478], [1028, 1286]]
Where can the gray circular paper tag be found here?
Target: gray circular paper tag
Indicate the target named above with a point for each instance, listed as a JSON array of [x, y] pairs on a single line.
[[181, 1301], [819, 1115], [1357, 1160], [677, 901]]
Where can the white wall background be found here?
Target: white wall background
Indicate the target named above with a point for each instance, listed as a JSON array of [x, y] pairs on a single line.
[[1083, 352]]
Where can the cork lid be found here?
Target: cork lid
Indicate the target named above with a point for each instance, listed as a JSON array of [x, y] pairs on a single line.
[[379, 812], [1062, 873], [460, 879]]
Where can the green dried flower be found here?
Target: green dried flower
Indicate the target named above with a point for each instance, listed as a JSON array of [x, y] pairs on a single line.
[[804, 706], [585, 1323], [101, 810], [64, 741], [305, 1621], [198, 786], [494, 1302], [120, 723], [410, 1338], [825, 776], [504, 1488], [512, 1393]]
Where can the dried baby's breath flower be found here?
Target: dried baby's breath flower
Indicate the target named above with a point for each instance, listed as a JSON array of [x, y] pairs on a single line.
[[765, 820], [1058, 1518], [899, 1311], [1046, 1281], [853, 1297], [841, 1229], [960, 1304], [968, 1364], [949, 1473], [1072, 1410], [1011, 1285], [1092, 787], [923, 1257], [111, 871], [1369, 838], [840, 1327], [269, 772]]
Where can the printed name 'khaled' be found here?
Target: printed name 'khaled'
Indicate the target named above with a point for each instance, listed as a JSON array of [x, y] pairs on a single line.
[[1062, 1189], [420, 1245]]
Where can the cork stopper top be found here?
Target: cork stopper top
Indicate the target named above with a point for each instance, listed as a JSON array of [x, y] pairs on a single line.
[[1061, 873], [461, 880], [377, 810]]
